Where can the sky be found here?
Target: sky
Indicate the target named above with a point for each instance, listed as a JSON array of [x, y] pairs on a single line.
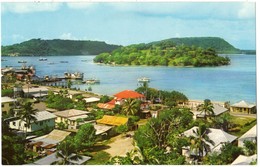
[[129, 23]]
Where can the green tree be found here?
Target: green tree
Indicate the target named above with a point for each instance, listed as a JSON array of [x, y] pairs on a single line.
[[199, 141], [27, 114], [85, 136], [131, 107], [250, 147], [121, 129], [223, 121], [69, 83], [206, 108], [68, 152]]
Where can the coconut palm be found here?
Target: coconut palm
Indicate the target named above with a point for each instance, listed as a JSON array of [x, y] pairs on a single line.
[[67, 152], [206, 108], [131, 107], [200, 141], [27, 114]]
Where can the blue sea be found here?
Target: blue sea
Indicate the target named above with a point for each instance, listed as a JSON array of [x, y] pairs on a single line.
[[233, 83]]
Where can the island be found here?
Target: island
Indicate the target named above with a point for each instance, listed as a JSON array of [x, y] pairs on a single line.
[[163, 53]]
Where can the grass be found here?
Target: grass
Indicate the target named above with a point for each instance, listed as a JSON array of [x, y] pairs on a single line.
[[98, 158], [243, 124]]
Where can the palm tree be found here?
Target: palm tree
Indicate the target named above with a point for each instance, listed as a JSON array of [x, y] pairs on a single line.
[[27, 114], [200, 141], [67, 152], [223, 121], [206, 108], [131, 107]]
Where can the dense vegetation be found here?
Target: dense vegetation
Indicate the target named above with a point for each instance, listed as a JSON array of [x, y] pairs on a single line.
[[218, 44], [165, 53], [39, 47]]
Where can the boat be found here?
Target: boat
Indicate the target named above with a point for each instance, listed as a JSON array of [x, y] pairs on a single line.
[[75, 75], [51, 63], [63, 61], [3, 60], [143, 79], [43, 59], [22, 61], [92, 81], [84, 60]]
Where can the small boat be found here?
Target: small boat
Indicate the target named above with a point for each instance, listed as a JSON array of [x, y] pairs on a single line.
[[51, 63], [92, 81], [3, 60], [84, 60], [143, 79], [43, 59], [22, 61], [75, 75], [63, 61]]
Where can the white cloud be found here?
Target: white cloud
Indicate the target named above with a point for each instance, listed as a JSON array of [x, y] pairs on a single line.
[[247, 11], [80, 5], [29, 7], [68, 36]]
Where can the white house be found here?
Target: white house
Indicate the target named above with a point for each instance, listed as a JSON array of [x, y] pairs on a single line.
[[37, 91], [7, 104], [217, 111], [43, 119], [218, 136], [249, 136]]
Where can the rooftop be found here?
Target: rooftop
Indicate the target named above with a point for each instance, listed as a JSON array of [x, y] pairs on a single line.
[[250, 133], [244, 160], [70, 113], [217, 110], [44, 115], [35, 89], [112, 120], [91, 99], [106, 106], [243, 104], [128, 94], [6, 99]]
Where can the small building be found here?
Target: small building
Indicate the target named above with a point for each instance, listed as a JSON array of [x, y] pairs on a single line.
[[91, 100], [112, 120], [43, 119], [7, 104], [72, 94], [218, 136], [243, 107], [127, 94], [244, 160], [250, 135], [217, 111], [36, 91], [70, 117]]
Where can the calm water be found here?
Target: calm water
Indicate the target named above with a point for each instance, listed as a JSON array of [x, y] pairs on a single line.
[[226, 83]]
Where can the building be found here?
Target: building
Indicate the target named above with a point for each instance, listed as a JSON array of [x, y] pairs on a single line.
[[91, 100], [250, 135], [70, 117], [244, 160], [112, 120], [43, 119], [218, 136], [243, 107], [193, 104], [35, 91], [217, 111], [7, 104]]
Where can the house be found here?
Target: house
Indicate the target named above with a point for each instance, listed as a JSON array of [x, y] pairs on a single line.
[[193, 104], [7, 104], [43, 119], [112, 120], [35, 91], [217, 111], [244, 160], [72, 94], [218, 136], [70, 117], [50, 159], [48, 143], [91, 100], [250, 135], [106, 106], [243, 107]]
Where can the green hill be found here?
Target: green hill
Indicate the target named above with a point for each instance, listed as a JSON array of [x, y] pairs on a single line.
[[165, 53], [39, 47], [216, 43]]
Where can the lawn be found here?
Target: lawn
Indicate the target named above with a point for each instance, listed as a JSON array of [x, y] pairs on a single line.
[[98, 158], [242, 125]]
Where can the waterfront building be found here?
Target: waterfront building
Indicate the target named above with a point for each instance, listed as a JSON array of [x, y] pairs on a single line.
[[7, 104], [43, 119], [35, 91], [243, 107]]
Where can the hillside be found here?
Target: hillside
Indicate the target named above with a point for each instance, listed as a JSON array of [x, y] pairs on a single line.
[[39, 47], [216, 43], [164, 53]]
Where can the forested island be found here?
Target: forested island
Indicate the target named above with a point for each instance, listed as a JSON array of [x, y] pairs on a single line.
[[164, 53], [57, 47]]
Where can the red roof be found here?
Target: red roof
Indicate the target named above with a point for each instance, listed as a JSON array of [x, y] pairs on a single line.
[[112, 102], [128, 94]]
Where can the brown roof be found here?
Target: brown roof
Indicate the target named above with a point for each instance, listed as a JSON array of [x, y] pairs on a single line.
[[70, 113], [105, 106], [112, 120]]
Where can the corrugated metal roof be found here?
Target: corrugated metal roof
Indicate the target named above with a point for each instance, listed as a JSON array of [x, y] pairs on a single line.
[[44, 115], [250, 133], [243, 104], [105, 106], [244, 160], [70, 113], [112, 120]]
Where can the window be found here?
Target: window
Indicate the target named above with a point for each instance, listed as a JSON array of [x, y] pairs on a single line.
[[3, 105], [14, 123]]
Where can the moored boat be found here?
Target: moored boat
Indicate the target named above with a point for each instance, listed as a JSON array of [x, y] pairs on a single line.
[[75, 75], [22, 61], [92, 81], [43, 59], [143, 79], [63, 61]]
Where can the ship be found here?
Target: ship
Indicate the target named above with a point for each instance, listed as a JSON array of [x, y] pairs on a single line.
[[92, 81], [143, 79]]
